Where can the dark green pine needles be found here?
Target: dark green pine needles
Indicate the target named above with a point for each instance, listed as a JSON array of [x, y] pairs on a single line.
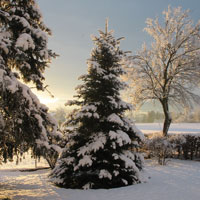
[[99, 152]]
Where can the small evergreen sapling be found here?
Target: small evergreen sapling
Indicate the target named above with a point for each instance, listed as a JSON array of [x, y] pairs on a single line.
[[100, 140]]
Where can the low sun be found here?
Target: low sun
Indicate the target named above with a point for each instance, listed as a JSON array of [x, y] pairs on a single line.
[[46, 100]]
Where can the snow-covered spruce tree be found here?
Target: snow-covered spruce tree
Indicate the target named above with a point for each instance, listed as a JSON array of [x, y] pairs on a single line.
[[24, 55], [100, 146]]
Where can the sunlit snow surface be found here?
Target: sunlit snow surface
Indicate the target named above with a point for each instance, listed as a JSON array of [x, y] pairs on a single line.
[[179, 180]]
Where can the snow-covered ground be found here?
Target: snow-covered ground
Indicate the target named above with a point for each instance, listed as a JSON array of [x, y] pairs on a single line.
[[179, 180], [27, 162], [178, 128]]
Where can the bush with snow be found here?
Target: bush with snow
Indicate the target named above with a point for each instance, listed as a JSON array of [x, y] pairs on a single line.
[[191, 147], [183, 146], [159, 147]]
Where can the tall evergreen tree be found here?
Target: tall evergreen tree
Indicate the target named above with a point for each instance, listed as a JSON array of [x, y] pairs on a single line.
[[98, 153], [24, 55]]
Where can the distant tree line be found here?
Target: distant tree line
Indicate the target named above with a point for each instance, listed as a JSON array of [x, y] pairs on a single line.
[[192, 116], [148, 117]]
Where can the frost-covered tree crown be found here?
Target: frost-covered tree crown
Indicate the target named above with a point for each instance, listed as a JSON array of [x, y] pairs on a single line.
[[171, 67], [99, 136], [169, 70]]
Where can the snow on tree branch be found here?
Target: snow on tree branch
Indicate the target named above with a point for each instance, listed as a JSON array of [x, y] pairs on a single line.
[[169, 71]]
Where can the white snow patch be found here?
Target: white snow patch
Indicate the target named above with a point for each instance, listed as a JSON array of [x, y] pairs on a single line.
[[179, 180], [68, 160], [128, 158], [125, 181], [87, 186], [175, 128], [105, 174], [96, 115], [40, 34], [4, 41], [23, 21], [25, 42], [98, 141], [116, 173], [116, 119], [12, 86], [94, 65], [85, 161], [120, 136]]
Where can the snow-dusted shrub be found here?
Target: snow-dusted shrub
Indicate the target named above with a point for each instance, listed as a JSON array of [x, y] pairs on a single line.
[[177, 141], [184, 146], [191, 147], [159, 147]]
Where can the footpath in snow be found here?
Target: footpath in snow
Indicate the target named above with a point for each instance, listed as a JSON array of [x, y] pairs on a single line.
[[179, 180]]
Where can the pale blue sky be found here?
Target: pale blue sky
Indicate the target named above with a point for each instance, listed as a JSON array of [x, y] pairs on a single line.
[[73, 21]]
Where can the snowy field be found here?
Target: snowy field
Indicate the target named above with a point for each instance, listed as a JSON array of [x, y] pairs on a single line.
[[178, 128], [179, 180]]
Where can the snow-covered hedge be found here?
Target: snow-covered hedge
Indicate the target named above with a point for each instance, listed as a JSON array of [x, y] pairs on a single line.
[[184, 146], [191, 148]]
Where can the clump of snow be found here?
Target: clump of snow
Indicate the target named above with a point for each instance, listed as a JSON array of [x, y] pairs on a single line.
[[85, 161], [86, 111], [116, 156], [23, 21], [125, 181], [116, 173], [40, 34], [96, 115], [88, 186], [109, 77], [83, 114], [120, 136], [40, 123], [116, 119], [105, 174], [12, 86], [130, 164], [89, 108], [25, 42], [5, 42], [99, 142], [94, 65], [68, 160]]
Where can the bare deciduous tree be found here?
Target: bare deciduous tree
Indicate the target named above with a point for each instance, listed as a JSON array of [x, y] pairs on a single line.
[[169, 71]]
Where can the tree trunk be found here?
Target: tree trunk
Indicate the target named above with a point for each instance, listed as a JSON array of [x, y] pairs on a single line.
[[168, 119]]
